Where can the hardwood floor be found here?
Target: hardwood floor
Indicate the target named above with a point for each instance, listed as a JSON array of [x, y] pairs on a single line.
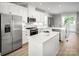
[[68, 48], [20, 52]]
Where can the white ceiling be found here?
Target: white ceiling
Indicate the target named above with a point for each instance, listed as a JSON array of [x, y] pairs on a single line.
[[55, 7]]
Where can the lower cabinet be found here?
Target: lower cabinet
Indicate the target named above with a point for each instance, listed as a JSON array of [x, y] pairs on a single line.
[[51, 47]]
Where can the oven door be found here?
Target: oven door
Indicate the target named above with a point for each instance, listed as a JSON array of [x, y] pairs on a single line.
[[33, 32]]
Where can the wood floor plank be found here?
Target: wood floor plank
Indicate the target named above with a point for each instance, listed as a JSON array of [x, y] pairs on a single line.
[[20, 52], [70, 47]]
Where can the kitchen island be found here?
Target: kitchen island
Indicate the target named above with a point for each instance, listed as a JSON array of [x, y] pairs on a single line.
[[61, 31], [44, 44]]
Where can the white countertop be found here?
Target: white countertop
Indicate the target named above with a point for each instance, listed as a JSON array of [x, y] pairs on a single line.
[[61, 28], [42, 37]]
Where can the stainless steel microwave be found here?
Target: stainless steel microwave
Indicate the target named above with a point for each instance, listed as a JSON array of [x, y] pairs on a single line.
[[30, 20]]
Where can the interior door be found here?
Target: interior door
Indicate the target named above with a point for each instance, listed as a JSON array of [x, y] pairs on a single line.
[[17, 32], [6, 41], [50, 21]]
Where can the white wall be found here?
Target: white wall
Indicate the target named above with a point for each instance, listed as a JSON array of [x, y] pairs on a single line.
[[77, 23], [10, 8], [57, 20]]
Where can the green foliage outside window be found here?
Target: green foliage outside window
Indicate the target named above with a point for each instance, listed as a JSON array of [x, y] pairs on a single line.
[[69, 20]]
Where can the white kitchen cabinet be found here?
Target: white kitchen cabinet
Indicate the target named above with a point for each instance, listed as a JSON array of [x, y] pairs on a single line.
[[50, 47]]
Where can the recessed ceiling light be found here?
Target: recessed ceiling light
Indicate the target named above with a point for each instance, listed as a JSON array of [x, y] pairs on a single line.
[[48, 8], [60, 5], [40, 4]]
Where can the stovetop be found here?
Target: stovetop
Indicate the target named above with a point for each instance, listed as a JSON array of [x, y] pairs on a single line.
[[32, 28]]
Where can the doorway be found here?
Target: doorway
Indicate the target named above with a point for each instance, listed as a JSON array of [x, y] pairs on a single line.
[[50, 22]]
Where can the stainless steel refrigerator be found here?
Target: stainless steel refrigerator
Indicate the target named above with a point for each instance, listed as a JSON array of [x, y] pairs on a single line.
[[10, 33]]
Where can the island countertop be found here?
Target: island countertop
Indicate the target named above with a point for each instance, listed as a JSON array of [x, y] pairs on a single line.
[[42, 37]]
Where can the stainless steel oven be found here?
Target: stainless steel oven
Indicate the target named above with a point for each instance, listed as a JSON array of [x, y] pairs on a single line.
[[33, 32]]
